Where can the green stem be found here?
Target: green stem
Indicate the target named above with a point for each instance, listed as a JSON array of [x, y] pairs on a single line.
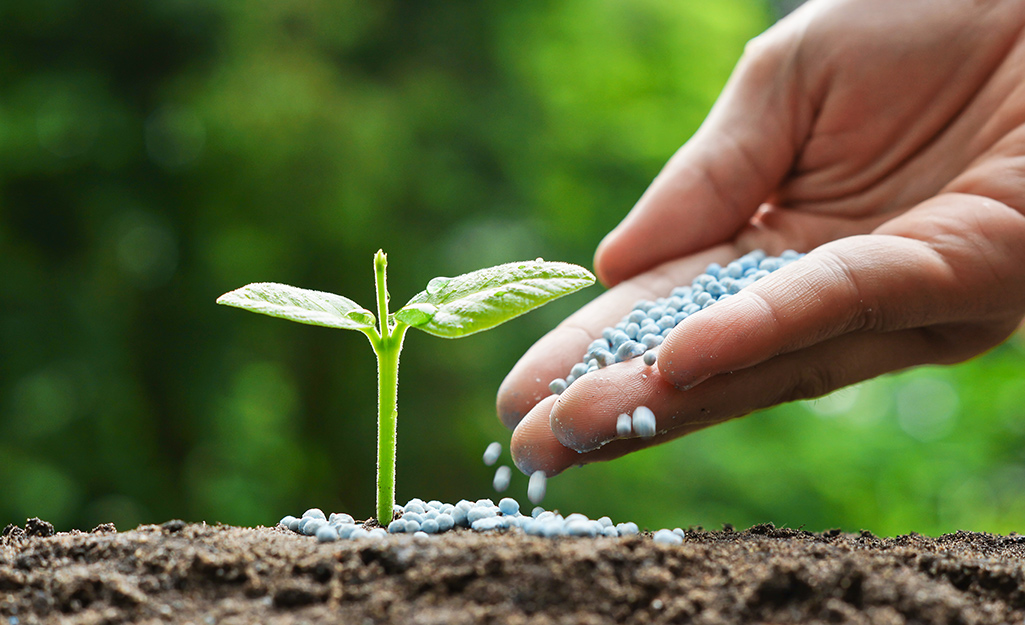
[[387, 347], [387, 421]]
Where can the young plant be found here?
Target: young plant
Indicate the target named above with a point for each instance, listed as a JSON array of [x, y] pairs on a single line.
[[448, 307]]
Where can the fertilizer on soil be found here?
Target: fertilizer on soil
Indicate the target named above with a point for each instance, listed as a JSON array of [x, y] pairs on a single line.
[[424, 519]]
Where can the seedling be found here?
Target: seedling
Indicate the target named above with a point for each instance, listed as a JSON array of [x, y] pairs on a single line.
[[448, 307]]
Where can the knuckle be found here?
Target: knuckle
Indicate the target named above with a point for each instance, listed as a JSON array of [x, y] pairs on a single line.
[[767, 50], [758, 46]]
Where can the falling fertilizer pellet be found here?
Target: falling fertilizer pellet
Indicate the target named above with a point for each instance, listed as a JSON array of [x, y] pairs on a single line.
[[502, 476], [491, 454], [536, 487]]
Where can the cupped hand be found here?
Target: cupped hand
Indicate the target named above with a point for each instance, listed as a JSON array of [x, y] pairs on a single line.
[[887, 140]]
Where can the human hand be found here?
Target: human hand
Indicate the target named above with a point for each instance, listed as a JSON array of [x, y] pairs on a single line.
[[888, 139]]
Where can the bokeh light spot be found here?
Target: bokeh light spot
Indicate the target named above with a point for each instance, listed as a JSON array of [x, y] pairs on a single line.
[[175, 137], [147, 249], [926, 408]]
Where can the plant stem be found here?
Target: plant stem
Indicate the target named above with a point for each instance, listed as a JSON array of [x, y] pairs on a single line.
[[387, 421], [387, 347]]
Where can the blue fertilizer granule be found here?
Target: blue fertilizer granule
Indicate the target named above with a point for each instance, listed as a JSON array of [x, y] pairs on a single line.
[[424, 519], [644, 328]]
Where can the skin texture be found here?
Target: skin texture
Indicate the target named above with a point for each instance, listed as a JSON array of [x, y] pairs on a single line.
[[887, 140]]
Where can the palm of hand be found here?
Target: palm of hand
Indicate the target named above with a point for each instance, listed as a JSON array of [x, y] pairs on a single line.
[[889, 136]]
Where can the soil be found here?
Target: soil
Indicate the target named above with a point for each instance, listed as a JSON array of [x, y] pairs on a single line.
[[202, 574]]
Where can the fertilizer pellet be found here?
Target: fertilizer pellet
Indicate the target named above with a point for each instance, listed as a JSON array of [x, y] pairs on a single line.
[[314, 513], [502, 476], [422, 521], [445, 522], [485, 525], [644, 328], [326, 534], [557, 386], [480, 512], [579, 528], [311, 526], [644, 422], [667, 537], [624, 425], [509, 506], [536, 487], [627, 529], [414, 507], [491, 454]]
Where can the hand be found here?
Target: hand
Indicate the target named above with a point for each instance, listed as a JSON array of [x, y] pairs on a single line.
[[888, 138]]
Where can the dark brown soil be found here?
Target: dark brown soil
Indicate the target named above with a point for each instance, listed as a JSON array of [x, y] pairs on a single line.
[[202, 574]]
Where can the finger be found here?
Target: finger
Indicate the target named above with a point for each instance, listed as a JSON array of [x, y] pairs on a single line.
[[579, 427], [711, 187], [535, 447], [556, 352]]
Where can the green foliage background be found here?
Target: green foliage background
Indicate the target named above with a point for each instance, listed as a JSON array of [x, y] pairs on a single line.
[[154, 155]]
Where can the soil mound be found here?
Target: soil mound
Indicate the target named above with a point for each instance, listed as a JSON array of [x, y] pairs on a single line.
[[196, 573]]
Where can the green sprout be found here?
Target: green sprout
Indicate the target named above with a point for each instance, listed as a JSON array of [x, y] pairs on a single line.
[[448, 307]]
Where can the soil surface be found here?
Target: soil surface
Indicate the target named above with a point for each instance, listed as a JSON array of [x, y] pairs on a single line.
[[196, 573]]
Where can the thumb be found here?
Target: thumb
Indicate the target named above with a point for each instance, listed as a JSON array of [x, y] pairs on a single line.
[[714, 184]]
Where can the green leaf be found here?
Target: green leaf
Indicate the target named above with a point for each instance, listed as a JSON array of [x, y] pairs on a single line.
[[485, 298], [303, 305]]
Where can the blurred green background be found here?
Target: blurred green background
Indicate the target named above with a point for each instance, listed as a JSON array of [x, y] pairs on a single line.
[[154, 155]]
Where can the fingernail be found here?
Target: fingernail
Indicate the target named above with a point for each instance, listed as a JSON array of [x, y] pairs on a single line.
[[683, 380], [689, 384]]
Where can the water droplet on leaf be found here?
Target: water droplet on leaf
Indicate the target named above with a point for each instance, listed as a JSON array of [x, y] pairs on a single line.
[[361, 316], [437, 284], [416, 314]]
